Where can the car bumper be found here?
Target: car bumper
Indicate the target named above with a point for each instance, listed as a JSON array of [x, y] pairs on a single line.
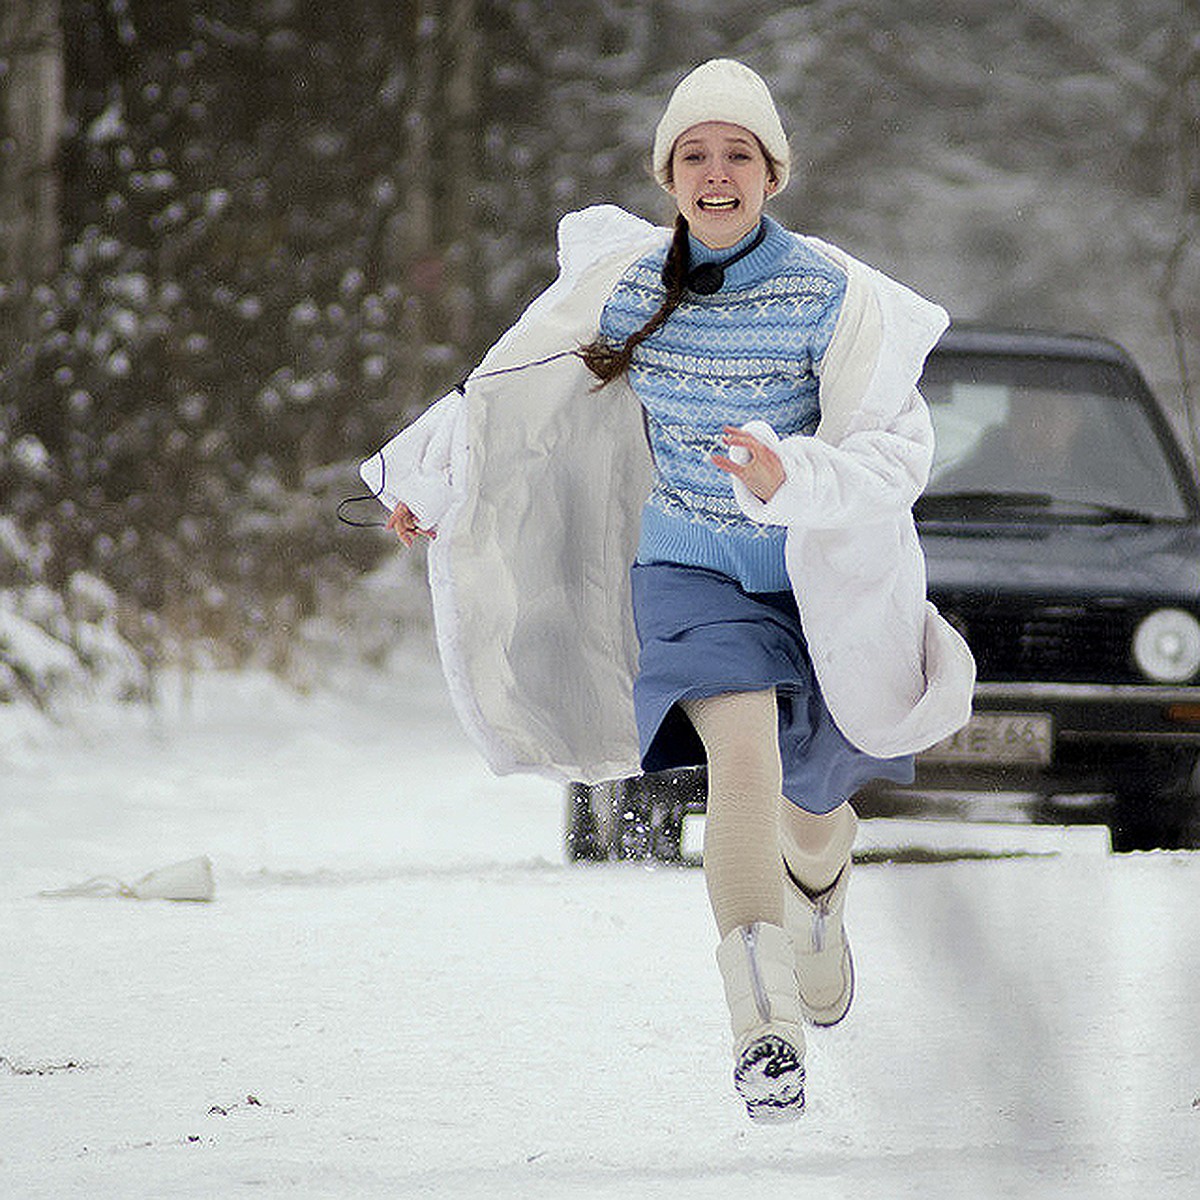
[[1066, 737], [1102, 713]]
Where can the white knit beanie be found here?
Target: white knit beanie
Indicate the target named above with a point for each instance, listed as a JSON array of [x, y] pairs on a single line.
[[722, 90]]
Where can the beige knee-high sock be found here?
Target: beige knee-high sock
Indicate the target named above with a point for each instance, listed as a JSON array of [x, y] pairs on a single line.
[[741, 832], [816, 845]]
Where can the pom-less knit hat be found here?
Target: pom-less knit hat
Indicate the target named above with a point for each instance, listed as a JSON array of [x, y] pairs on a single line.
[[722, 90]]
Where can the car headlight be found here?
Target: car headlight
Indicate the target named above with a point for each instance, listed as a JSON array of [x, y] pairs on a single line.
[[1166, 646]]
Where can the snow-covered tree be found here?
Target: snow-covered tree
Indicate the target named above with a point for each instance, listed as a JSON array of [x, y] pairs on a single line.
[[263, 233]]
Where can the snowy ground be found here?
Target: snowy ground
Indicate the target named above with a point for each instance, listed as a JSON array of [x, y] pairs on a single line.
[[402, 990]]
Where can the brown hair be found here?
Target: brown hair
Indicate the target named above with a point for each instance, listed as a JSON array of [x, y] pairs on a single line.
[[608, 361]]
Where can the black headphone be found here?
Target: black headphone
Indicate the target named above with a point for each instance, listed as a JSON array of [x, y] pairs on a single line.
[[707, 278]]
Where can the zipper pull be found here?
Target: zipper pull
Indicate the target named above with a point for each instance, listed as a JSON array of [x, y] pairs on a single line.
[[820, 918]]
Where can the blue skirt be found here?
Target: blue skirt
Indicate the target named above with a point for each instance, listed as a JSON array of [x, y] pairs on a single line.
[[702, 635]]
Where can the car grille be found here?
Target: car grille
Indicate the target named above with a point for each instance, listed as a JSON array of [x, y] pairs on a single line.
[[1063, 642]]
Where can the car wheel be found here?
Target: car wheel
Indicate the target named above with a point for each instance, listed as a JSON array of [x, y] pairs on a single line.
[[637, 818], [650, 820], [588, 806], [1156, 804]]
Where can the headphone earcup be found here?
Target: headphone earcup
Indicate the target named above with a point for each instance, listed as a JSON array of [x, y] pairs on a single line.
[[708, 278], [705, 279]]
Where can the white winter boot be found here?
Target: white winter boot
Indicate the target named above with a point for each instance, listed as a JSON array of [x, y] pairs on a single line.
[[815, 920], [757, 966], [824, 964]]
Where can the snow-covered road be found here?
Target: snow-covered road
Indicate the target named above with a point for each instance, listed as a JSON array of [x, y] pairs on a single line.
[[402, 990]]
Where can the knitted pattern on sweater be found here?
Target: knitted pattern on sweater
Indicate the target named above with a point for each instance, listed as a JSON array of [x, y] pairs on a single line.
[[751, 350]]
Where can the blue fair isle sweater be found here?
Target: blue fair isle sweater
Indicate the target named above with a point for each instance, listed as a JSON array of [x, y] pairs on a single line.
[[753, 349]]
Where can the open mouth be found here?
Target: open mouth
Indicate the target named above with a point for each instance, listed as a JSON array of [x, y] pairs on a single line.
[[718, 203]]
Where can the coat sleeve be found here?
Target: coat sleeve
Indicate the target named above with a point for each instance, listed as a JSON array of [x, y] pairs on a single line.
[[417, 465], [873, 474]]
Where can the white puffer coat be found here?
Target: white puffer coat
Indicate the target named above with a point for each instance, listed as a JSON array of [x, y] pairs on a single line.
[[535, 482]]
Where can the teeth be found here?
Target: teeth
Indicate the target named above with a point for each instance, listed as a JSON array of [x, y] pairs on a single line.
[[717, 202]]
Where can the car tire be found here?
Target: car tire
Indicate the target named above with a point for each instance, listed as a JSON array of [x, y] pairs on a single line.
[[640, 818], [584, 838], [1156, 804], [650, 820]]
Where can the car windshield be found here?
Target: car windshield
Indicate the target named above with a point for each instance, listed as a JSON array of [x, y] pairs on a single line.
[[1068, 439]]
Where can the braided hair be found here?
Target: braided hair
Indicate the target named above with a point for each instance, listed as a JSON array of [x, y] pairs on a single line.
[[608, 361]]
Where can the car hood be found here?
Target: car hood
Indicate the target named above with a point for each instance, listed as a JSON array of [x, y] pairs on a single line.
[[1159, 561]]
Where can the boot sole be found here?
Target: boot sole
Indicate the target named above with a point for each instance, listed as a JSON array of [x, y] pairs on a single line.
[[769, 1077]]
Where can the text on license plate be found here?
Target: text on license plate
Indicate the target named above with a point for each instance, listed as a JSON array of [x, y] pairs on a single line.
[[1009, 737]]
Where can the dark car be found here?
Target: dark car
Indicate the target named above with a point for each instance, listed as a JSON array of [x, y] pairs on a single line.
[[1061, 527]]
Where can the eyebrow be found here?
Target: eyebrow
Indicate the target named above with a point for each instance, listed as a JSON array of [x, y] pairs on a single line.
[[733, 140]]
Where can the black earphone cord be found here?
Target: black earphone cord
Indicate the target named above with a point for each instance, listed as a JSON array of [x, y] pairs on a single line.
[[704, 279], [461, 388]]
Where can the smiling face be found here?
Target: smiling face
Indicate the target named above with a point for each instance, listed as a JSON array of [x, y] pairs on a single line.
[[720, 179]]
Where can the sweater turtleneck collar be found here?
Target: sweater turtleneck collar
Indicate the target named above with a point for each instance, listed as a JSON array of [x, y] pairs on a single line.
[[756, 265]]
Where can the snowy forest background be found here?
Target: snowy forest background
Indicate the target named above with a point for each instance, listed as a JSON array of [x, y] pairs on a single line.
[[242, 241]]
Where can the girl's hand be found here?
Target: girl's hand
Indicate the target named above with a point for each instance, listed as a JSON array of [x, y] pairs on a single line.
[[405, 526], [755, 464]]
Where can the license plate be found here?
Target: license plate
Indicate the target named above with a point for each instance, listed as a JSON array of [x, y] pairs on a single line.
[[998, 738]]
